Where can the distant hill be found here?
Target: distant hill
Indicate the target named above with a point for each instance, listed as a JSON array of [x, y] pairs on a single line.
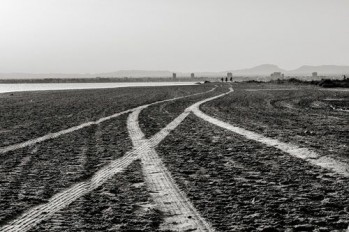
[[322, 70], [117, 74], [146, 73], [43, 75], [121, 73], [262, 70], [135, 73]]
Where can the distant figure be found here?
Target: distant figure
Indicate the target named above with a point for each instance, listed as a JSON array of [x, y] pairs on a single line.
[[231, 79], [222, 79], [226, 79], [345, 77]]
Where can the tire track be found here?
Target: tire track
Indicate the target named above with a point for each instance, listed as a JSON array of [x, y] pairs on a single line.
[[59, 133], [281, 89], [312, 157], [35, 215], [180, 214], [39, 213], [83, 125], [157, 138]]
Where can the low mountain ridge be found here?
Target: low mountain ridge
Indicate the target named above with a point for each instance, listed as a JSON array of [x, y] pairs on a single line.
[[321, 70], [264, 69], [260, 70]]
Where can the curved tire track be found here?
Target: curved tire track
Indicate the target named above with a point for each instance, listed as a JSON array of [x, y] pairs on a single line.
[[39, 213], [312, 157], [83, 125], [35, 215], [180, 213]]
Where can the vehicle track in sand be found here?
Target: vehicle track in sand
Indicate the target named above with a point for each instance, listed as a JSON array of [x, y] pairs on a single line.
[[312, 157], [180, 214], [35, 215], [59, 201], [83, 125], [223, 172]]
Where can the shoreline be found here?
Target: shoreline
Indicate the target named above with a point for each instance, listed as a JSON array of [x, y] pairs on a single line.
[[27, 87]]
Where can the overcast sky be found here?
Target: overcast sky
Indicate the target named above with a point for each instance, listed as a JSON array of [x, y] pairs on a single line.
[[90, 36]]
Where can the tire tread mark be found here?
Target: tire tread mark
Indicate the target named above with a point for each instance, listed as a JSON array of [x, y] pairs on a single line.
[[308, 155], [35, 215]]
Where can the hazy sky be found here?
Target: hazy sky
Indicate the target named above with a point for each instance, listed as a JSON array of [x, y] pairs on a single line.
[[81, 36]]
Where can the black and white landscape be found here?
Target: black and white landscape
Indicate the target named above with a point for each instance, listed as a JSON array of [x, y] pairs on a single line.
[[183, 137]]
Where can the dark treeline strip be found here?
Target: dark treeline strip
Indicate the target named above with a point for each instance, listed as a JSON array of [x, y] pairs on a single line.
[[325, 83]]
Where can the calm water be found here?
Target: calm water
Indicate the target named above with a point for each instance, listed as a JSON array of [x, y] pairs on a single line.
[[5, 88]]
